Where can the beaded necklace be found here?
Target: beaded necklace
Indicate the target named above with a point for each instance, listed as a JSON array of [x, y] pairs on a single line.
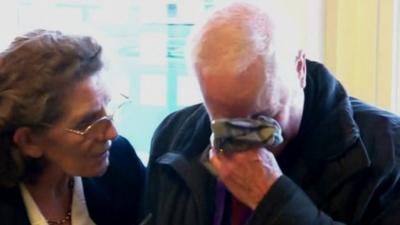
[[64, 220]]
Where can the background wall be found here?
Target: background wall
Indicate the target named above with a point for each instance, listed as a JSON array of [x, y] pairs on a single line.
[[360, 48]]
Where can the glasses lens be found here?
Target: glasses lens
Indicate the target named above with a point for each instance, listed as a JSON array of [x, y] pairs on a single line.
[[100, 126]]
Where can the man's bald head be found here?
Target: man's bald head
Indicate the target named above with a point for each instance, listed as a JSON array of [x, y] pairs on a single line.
[[232, 39], [247, 66], [234, 60]]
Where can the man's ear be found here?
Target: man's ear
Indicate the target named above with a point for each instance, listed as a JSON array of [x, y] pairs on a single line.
[[27, 143], [301, 68]]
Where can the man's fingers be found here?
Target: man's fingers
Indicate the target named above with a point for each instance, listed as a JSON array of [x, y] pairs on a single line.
[[214, 159], [222, 163]]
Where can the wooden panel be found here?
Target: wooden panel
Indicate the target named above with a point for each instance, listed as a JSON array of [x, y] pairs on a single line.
[[385, 55], [359, 47], [331, 31]]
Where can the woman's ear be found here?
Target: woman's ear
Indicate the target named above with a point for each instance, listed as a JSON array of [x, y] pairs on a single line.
[[27, 143], [301, 68]]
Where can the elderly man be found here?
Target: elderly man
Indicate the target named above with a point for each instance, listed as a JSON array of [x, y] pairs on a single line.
[[288, 145]]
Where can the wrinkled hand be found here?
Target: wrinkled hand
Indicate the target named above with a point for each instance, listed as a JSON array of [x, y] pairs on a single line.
[[248, 175]]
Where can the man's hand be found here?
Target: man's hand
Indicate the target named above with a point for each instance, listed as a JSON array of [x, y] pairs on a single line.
[[248, 175]]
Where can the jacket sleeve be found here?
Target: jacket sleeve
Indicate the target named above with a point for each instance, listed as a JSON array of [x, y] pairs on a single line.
[[287, 204]]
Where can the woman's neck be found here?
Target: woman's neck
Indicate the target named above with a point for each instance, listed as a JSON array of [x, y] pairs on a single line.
[[52, 192]]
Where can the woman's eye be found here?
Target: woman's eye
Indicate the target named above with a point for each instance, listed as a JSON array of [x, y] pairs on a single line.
[[82, 126], [85, 123], [88, 120]]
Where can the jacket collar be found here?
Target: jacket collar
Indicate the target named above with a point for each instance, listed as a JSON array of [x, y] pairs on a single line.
[[329, 137], [328, 128], [12, 208]]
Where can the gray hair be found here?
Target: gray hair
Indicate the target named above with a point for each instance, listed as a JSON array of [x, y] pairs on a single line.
[[36, 72], [232, 39], [234, 36]]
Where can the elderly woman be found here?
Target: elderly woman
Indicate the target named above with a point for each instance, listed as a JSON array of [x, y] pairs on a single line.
[[61, 160]]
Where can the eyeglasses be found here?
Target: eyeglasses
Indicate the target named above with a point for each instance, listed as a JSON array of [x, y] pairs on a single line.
[[99, 125]]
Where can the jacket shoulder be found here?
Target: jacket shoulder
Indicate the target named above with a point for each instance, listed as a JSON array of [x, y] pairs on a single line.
[[114, 197], [379, 132], [373, 121], [178, 127], [123, 156], [184, 116]]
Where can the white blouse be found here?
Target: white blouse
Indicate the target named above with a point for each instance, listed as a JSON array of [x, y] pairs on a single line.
[[79, 211]]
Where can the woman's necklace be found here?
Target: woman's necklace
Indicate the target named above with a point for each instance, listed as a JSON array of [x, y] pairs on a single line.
[[67, 217], [64, 220]]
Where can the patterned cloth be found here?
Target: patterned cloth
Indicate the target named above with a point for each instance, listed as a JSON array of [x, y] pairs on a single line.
[[229, 135]]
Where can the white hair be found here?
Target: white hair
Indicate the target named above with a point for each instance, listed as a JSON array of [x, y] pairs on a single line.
[[234, 36]]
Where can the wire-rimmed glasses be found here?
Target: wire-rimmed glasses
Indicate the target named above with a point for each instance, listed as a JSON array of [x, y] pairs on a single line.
[[99, 125]]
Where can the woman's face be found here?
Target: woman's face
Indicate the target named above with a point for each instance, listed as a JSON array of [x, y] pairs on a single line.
[[75, 154]]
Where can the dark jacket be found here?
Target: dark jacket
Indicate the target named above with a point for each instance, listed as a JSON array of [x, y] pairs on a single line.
[[342, 168], [112, 199]]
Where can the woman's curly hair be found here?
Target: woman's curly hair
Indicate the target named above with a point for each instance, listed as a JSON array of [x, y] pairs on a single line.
[[36, 72]]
